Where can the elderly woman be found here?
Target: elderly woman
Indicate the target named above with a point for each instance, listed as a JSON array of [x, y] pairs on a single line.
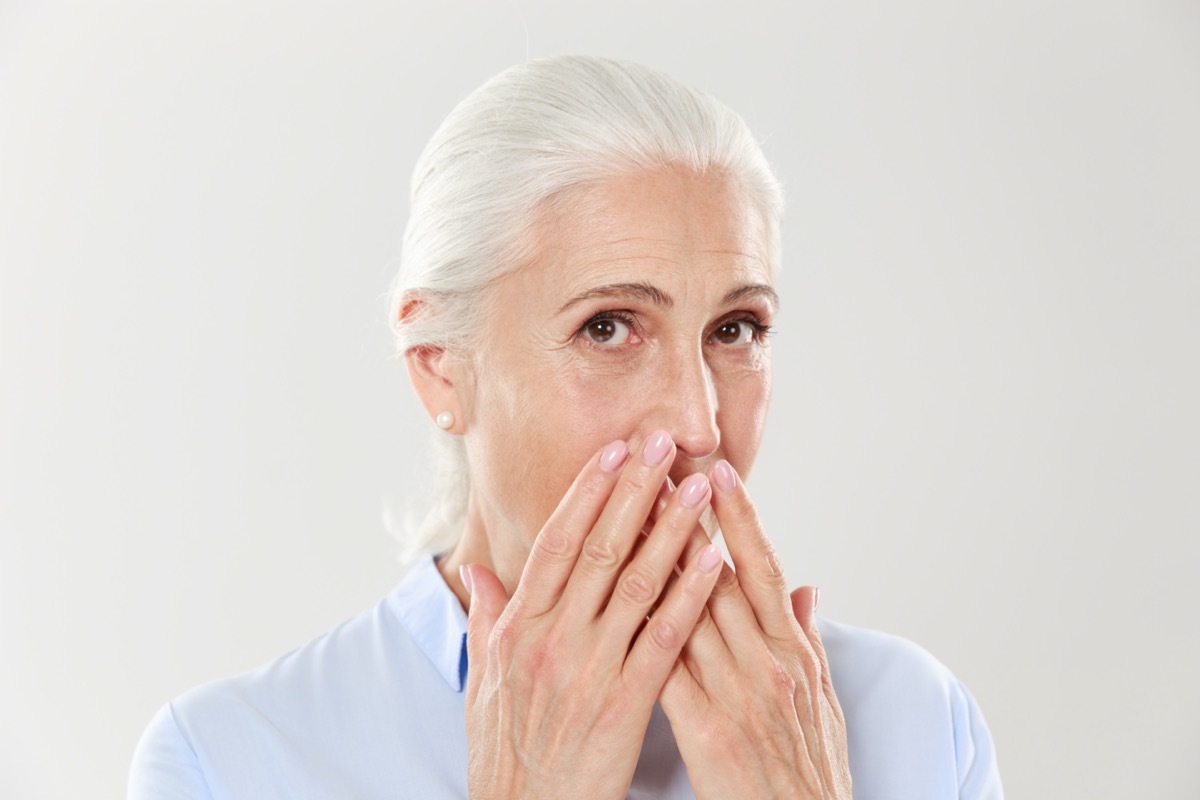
[[586, 292]]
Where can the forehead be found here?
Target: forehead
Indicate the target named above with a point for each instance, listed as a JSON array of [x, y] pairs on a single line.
[[668, 225]]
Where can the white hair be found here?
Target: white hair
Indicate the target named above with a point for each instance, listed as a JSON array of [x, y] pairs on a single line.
[[513, 145]]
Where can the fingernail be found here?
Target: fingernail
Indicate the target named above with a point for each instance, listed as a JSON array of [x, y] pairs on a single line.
[[816, 598], [656, 449], [693, 490], [613, 456], [710, 557], [723, 476], [464, 575]]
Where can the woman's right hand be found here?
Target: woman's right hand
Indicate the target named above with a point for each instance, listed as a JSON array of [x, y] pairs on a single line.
[[563, 676]]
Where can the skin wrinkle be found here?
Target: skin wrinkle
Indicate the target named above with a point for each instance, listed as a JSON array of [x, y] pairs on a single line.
[[542, 401], [548, 392], [758, 289], [643, 291]]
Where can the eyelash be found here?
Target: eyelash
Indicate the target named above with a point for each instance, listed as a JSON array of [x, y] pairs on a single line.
[[761, 330], [624, 317]]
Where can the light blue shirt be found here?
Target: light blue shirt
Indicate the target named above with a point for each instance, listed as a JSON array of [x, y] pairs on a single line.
[[374, 709]]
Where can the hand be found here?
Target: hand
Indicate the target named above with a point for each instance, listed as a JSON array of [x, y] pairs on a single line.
[[750, 701], [563, 676]]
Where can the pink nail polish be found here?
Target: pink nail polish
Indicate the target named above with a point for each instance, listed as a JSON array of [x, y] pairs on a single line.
[[464, 575], [710, 557], [613, 456], [693, 490], [723, 476], [657, 447]]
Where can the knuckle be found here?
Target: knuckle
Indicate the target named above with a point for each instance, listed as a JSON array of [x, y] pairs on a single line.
[[716, 737], [812, 663], [553, 543], [617, 707], [818, 651], [774, 564], [664, 634], [709, 738], [726, 585], [636, 589], [803, 663], [743, 507], [593, 489], [502, 641], [782, 681], [601, 553], [705, 625], [770, 577], [595, 485], [639, 481]]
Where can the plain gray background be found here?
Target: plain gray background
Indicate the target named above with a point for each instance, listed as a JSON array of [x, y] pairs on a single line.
[[984, 434]]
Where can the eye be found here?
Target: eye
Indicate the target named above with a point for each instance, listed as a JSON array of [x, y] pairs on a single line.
[[608, 330], [737, 332]]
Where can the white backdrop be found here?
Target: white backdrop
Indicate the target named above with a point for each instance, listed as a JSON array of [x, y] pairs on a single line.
[[984, 435]]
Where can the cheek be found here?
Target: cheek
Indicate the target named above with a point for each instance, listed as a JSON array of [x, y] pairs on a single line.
[[536, 431], [744, 401], [597, 406]]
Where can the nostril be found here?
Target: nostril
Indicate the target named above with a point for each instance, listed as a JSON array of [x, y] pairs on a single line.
[[699, 447], [688, 406]]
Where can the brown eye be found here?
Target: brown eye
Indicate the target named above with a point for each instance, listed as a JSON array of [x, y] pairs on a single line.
[[602, 330], [607, 331], [734, 332]]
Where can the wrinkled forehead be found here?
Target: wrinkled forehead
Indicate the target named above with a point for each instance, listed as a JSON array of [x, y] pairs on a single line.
[[670, 226]]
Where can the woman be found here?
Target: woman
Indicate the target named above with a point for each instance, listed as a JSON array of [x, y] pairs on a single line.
[[583, 306]]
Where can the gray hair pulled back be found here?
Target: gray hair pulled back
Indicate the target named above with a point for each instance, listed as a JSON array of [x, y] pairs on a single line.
[[508, 149]]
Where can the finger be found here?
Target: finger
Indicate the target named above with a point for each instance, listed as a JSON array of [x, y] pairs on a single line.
[[658, 645], [681, 695], [557, 546], [644, 578], [804, 607], [728, 625], [607, 547], [759, 570], [660, 503], [488, 601]]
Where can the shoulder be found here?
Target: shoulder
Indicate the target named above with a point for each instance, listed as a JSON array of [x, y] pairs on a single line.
[[202, 741], [334, 660], [865, 660], [165, 764], [410, 638], [378, 694], [909, 720]]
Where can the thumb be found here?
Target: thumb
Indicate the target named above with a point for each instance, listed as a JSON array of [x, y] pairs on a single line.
[[804, 606], [488, 601]]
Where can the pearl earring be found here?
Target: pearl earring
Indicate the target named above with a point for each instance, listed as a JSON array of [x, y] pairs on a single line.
[[445, 420]]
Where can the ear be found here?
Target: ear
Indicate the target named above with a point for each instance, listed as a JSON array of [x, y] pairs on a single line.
[[437, 376]]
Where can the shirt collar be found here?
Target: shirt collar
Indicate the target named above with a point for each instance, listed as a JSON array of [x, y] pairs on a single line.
[[430, 611]]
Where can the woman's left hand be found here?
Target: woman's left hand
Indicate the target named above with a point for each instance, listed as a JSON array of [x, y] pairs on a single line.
[[750, 699]]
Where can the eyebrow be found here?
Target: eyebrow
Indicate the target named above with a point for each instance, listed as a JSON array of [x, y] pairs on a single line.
[[637, 291], [652, 294], [752, 290]]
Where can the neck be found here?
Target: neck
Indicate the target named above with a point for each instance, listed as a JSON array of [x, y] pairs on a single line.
[[486, 541]]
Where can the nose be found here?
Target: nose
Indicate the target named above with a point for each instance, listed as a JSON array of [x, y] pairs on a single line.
[[688, 405]]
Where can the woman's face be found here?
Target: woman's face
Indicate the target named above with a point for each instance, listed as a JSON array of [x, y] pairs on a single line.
[[646, 308]]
